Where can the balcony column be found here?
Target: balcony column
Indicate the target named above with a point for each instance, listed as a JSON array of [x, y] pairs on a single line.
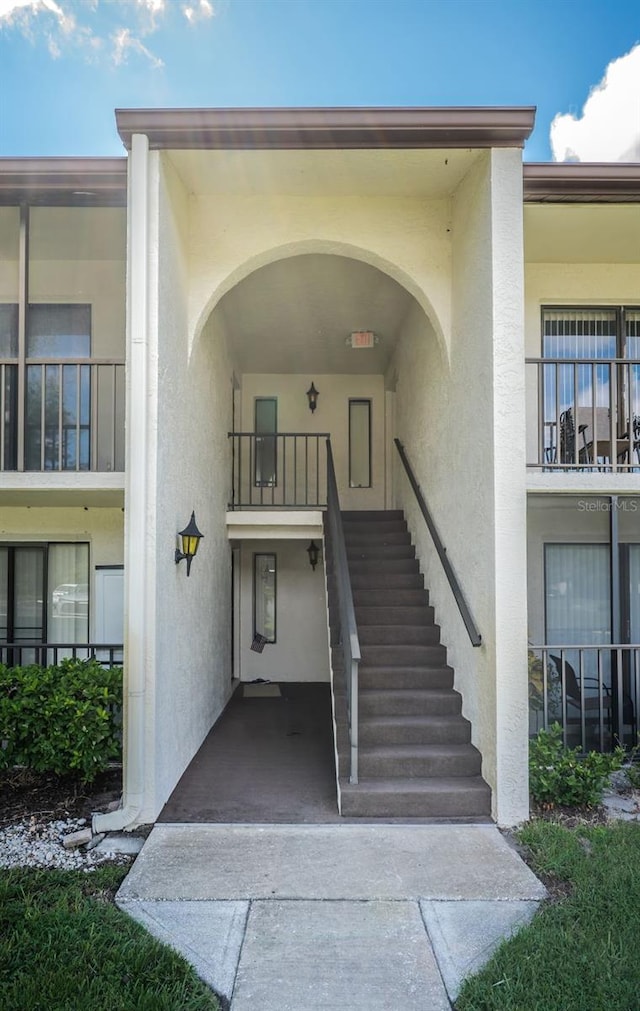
[[140, 497], [509, 476]]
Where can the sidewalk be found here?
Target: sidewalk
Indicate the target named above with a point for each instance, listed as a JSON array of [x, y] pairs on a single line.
[[356, 917]]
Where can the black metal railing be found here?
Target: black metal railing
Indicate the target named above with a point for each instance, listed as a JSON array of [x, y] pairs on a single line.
[[46, 654], [65, 415], [278, 471], [348, 629], [591, 691], [454, 583], [588, 413]]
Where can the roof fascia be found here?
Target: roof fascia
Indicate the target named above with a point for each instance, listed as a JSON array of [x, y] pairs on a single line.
[[581, 182], [317, 128], [83, 182]]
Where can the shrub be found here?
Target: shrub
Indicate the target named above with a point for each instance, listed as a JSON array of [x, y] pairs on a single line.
[[561, 775], [61, 719]]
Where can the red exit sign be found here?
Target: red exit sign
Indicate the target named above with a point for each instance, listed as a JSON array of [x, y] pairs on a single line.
[[363, 339]]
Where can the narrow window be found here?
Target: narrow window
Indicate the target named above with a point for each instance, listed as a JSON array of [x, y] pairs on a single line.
[[266, 425], [264, 596], [359, 443]]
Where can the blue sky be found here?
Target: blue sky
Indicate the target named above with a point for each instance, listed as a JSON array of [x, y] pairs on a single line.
[[66, 64]]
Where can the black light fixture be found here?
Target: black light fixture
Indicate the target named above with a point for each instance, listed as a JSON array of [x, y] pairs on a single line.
[[313, 395], [313, 553], [190, 538]]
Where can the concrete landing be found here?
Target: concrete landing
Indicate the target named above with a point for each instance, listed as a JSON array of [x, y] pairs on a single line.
[[303, 917]]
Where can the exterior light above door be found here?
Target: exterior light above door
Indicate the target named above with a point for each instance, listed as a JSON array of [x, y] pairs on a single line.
[[190, 538], [313, 395]]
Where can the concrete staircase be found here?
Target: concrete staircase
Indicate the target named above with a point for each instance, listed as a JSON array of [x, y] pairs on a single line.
[[416, 759]]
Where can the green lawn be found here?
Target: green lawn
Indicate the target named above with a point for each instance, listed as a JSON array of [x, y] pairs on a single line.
[[65, 947], [579, 953]]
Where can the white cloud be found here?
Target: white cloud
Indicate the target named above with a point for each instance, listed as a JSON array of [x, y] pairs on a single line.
[[609, 128], [77, 25], [125, 43], [201, 10]]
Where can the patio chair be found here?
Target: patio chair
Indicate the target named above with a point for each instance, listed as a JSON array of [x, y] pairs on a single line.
[[568, 439], [601, 440], [592, 702]]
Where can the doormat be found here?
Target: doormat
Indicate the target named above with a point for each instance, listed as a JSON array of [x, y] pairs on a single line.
[[258, 691]]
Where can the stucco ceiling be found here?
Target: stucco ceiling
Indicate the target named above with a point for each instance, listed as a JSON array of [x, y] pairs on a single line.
[[406, 173], [294, 315]]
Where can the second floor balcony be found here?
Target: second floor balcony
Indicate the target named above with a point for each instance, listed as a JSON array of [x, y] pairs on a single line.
[[583, 414], [62, 415]]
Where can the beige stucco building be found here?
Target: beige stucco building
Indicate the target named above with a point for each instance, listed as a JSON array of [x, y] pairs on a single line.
[[162, 318]]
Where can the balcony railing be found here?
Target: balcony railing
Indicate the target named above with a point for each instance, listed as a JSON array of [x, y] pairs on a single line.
[[46, 654], [591, 691], [62, 415], [588, 414], [283, 470]]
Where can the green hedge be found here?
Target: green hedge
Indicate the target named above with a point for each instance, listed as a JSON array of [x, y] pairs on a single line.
[[63, 719]]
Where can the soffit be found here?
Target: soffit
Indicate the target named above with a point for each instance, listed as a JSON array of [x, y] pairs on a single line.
[[582, 233], [416, 173], [295, 315]]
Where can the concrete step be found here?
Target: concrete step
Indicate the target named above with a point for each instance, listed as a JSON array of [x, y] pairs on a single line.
[[375, 550], [394, 616], [405, 702], [382, 678], [405, 656], [375, 730], [372, 515], [383, 533], [381, 565], [441, 797], [399, 635], [392, 596], [395, 655], [392, 580], [389, 761]]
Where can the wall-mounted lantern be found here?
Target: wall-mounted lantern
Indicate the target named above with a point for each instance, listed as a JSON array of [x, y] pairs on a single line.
[[313, 395], [190, 538], [314, 553]]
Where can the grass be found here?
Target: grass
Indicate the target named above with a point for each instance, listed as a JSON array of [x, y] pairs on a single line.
[[580, 953], [67, 947]]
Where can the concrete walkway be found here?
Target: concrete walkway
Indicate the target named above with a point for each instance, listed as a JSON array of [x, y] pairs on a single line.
[[356, 917]]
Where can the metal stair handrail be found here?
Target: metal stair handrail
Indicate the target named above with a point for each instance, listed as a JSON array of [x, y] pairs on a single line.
[[463, 607], [348, 628]]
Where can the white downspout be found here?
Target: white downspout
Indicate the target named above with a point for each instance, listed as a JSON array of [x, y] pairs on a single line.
[[136, 496]]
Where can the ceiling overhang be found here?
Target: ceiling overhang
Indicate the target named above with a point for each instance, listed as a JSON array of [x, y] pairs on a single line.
[[81, 182], [581, 182], [317, 128]]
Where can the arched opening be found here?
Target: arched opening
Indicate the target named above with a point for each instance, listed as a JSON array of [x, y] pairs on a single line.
[[306, 349]]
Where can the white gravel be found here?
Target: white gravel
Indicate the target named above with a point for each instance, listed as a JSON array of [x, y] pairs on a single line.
[[38, 844]]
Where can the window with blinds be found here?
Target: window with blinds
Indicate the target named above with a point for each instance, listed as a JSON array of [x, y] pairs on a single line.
[[603, 333]]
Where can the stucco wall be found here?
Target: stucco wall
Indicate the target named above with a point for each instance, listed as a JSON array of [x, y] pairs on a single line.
[[332, 416], [300, 651], [463, 430], [407, 238], [193, 616], [102, 529]]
